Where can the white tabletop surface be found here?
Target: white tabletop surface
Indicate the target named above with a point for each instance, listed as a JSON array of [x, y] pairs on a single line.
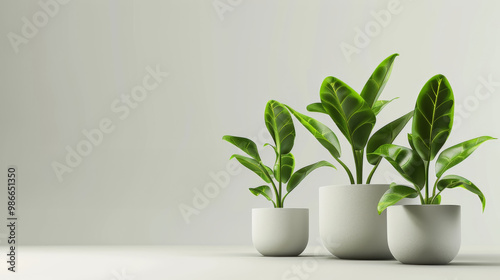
[[228, 262]]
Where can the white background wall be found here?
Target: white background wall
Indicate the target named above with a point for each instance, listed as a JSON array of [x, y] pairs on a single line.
[[223, 67]]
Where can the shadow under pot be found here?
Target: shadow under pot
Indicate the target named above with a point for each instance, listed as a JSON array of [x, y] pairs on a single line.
[[280, 231], [349, 223], [424, 234]]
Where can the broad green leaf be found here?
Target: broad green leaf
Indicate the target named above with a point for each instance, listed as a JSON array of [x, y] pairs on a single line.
[[300, 174], [406, 161], [456, 154], [453, 181], [245, 144], [376, 83], [410, 141], [380, 104], [269, 170], [433, 117], [316, 107], [321, 132], [264, 190], [287, 165], [254, 165], [280, 125], [348, 110], [385, 135], [394, 194], [436, 200]]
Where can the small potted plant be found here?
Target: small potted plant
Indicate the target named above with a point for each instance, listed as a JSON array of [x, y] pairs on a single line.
[[428, 233], [277, 231], [349, 225]]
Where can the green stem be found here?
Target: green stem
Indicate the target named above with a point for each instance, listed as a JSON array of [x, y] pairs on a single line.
[[279, 181], [272, 182], [349, 173], [434, 197], [419, 194], [435, 187], [277, 205], [358, 161], [426, 164], [368, 181], [283, 200]]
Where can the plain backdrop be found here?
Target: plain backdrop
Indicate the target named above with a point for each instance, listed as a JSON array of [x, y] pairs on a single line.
[[225, 59]]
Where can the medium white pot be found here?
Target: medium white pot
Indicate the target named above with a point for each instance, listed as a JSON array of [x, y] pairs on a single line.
[[424, 234], [280, 231], [349, 224]]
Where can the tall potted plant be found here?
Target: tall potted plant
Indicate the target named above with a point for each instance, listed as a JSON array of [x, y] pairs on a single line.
[[277, 231], [349, 225], [428, 233]]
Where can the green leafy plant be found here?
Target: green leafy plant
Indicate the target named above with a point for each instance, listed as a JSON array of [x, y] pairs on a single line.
[[280, 125], [432, 124], [355, 116]]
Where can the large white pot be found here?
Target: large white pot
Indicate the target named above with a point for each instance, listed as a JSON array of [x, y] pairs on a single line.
[[350, 226], [280, 231], [424, 234]]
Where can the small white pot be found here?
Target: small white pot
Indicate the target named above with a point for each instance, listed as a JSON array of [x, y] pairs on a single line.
[[350, 226], [280, 231], [424, 234]]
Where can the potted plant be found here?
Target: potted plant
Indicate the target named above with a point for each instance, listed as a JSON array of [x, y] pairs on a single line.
[[277, 231], [349, 225], [428, 233]]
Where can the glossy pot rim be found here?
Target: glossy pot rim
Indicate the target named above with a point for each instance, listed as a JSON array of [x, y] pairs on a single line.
[[354, 186], [280, 209], [422, 206]]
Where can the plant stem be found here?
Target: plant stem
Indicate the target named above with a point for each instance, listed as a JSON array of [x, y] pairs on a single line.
[[349, 173], [368, 181], [434, 197], [426, 164], [283, 200], [358, 161], [435, 187], [274, 186], [279, 181], [278, 200], [419, 194]]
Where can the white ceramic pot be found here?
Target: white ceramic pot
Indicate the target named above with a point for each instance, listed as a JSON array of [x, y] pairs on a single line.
[[349, 224], [280, 231], [424, 234]]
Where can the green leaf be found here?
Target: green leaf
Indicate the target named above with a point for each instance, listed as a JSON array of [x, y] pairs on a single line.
[[433, 117], [300, 174], [316, 107], [287, 165], [321, 132], [456, 154], [269, 170], [348, 110], [380, 104], [406, 161], [245, 144], [255, 166], [376, 83], [264, 190], [410, 141], [385, 135], [436, 200], [280, 125], [453, 181], [394, 194]]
